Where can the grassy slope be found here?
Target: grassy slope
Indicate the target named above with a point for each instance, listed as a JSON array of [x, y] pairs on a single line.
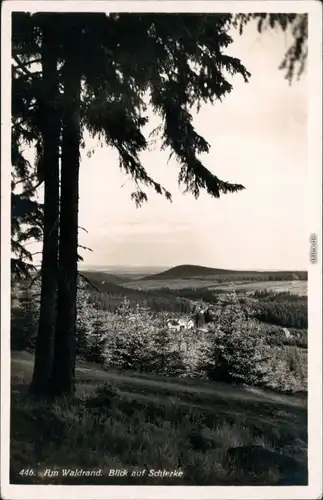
[[152, 421]]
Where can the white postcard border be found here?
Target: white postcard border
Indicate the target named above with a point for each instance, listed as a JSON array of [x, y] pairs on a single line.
[[314, 489]]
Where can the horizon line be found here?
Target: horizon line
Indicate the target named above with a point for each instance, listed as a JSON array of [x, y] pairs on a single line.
[[108, 266]]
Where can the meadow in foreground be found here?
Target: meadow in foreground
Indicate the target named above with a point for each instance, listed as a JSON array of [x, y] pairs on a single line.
[[139, 422]]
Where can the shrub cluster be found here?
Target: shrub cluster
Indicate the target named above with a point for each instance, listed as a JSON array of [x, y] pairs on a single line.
[[137, 339], [287, 369]]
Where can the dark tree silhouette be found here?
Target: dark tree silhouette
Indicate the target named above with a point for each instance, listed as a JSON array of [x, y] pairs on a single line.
[[50, 172], [26, 212], [63, 374], [36, 117], [182, 65]]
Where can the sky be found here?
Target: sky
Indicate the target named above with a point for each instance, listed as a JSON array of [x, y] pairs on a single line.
[[258, 139]]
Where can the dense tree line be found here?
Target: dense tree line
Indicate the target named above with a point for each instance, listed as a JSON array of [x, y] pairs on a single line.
[[179, 305], [284, 314], [283, 309], [271, 296]]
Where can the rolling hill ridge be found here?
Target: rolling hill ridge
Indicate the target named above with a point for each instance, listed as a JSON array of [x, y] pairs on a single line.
[[192, 271]]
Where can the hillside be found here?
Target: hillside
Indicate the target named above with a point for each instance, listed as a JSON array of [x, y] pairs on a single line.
[[119, 290], [168, 423], [106, 277], [106, 287], [190, 271]]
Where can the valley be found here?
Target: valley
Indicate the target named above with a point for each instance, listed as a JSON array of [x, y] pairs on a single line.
[[143, 384]]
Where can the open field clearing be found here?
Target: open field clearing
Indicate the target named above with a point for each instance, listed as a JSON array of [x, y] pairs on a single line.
[[295, 287]]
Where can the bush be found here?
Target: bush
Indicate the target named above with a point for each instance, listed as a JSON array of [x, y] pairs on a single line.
[[128, 337], [90, 326], [238, 354], [287, 369]]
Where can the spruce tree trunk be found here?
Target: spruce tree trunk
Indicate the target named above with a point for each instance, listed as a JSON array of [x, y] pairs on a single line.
[[63, 375], [50, 171]]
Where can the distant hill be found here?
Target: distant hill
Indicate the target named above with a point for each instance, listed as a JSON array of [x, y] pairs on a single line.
[[190, 271]]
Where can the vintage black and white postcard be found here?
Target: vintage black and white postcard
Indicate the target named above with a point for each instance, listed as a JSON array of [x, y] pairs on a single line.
[[161, 257]]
